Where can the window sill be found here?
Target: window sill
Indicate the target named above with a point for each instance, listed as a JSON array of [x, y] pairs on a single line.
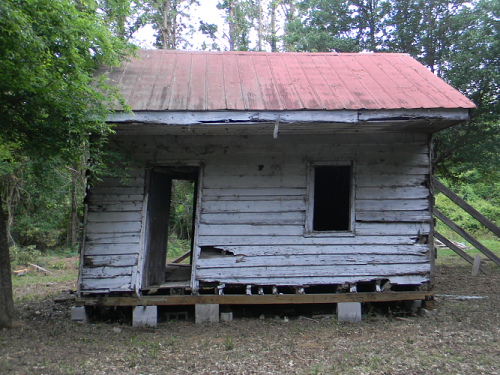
[[330, 234]]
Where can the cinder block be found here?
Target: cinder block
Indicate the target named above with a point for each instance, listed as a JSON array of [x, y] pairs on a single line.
[[145, 316], [78, 314], [349, 312], [206, 313], [226, 316]]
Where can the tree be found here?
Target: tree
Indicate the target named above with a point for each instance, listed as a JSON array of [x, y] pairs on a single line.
[[50, 102]]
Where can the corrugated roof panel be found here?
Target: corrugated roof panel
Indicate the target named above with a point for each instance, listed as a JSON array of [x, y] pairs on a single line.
[[232, 82], [267, 86], [176, 80], [197, 100], [216, 94]]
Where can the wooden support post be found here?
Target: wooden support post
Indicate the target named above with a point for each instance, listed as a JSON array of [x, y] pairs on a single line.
[[476, 265]]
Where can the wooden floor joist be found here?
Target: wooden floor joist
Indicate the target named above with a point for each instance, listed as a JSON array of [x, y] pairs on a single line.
[[183, 300]]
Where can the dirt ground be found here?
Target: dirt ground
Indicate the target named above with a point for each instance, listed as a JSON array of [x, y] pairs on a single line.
[[462, 336]]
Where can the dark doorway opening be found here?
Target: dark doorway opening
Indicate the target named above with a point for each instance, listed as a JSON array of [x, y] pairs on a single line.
[[170, 223]]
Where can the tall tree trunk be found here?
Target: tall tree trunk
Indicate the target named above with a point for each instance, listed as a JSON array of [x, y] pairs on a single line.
[[7, 313], [231, 26], [74, 207], [274, 38], [260, 25]]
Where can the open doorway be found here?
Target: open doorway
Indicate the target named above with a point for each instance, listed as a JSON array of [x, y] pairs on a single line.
[[170, 223]]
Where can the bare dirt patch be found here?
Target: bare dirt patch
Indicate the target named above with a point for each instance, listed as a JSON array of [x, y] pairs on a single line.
[[462, 337]]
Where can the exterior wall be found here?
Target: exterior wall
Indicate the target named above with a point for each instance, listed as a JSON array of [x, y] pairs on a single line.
[[253, 206]]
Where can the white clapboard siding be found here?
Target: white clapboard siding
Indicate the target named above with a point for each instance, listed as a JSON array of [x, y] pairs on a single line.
[[116, 227], [116, 206], [116, 190], [104, 217], [367, 241], [253, 206], [332, 261], [375, 193], [318, 280], [111, 238], [392, 205], [105, 272], [111, 260], [97, 198], [111, 249], [252, 230], [286, 181], [118, 283], [242, 193], [373, 180], [393, 216], [299, 271], [341, 250], [253, 218]]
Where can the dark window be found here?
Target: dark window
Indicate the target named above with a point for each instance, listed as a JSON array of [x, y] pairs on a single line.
[[332, 198]]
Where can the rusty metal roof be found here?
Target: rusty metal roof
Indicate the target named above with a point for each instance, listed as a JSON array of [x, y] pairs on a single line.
[[161, 80]]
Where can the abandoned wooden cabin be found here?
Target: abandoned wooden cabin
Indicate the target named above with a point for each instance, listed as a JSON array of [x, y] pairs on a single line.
[[311, 170]]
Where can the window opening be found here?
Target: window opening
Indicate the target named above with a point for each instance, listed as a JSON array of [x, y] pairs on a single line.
[[332, 198]]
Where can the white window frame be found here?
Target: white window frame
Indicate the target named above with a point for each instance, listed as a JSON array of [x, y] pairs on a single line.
[[308, 230]]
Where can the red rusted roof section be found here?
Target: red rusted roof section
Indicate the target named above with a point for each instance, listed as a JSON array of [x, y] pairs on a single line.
[[199, 81]]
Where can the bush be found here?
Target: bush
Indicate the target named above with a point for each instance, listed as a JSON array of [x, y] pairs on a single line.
[[21, 256]]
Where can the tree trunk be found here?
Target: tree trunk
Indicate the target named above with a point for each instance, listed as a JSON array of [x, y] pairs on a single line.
[[260, 25], [231, 26], [74, 207], [274, 38], [7, 313]]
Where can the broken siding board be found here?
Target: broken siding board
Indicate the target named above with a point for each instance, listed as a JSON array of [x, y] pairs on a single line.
[[369, 240], [105, 199], [308, 260], [241, 274], [115, 227], [399, 180], [324, 249], [323, 280], [106, 272], [114, 216], [116, 206], [253, 206], [242, 193], [276, 218], [254, 230], [110, 260], [111, 249]]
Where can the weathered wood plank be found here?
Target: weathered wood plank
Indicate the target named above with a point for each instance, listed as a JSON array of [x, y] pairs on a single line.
[[478, 245], [256, 170], [105, 272], [118, 283], [255, 198], [467, 207], [119, 182], [116, 190], [393, 216], [242, 193], [117, 227], [111, 238], [253, 206], [96, 198], [392, 205], [111, 249], [110, 260], [392, 229], [253, 230], [114, 216], [333, 261], [376, 180], [314, 241], [344, 250], [325, 271], [116, 206], [285, 181], [385, 169], [260, 218], [373, 193]]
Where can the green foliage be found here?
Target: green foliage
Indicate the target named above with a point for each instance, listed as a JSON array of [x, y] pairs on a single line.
[[21, 256]]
